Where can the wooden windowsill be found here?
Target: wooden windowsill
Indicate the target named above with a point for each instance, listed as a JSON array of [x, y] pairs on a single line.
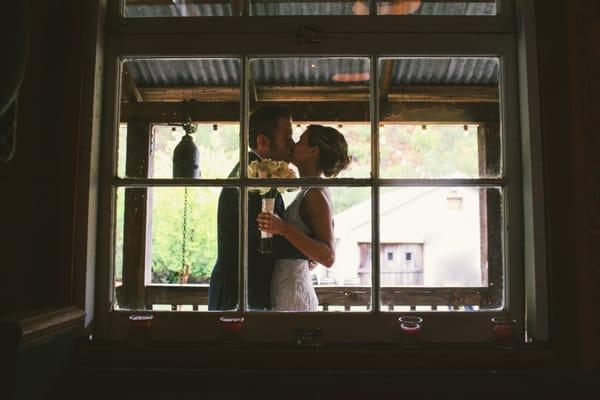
[[253, 356], [37, 326], [356, 371]]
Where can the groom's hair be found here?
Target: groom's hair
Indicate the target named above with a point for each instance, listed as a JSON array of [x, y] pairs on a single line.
[[264, 121]]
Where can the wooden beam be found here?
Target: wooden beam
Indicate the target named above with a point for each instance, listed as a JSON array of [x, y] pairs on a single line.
[[450, 94], [230, 112], [129, 90], [170, 112], [321, 93], [422, 112], [196, 93], [291, 93], [357, 112]]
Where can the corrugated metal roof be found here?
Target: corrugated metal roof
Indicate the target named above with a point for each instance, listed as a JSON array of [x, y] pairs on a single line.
[[305, 71], [179, 10], [280, 8], [447, 71], [311, 71], [458, 8], [194, 72], [263, 8]]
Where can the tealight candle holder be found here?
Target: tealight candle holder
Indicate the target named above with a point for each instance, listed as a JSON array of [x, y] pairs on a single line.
[[410, 331], [140, 327], [503, 330], [231, 328]]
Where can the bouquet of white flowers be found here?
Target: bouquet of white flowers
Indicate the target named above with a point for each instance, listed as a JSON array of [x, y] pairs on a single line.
[[267, 168], [263, 169]]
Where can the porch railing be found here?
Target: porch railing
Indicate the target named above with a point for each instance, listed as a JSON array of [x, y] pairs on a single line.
[[346, 297]]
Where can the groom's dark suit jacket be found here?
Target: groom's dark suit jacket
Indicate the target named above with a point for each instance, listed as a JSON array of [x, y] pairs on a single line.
[[223, 291]]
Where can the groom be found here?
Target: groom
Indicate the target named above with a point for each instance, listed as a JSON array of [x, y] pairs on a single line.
[[270, 136]]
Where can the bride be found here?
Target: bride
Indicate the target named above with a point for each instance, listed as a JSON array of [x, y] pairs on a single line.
[[308, 224]]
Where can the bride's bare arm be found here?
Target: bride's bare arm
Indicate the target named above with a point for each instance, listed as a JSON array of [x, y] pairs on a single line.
[[316, 213]]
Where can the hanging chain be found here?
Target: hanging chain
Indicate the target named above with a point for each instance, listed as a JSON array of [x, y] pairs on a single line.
[[184, 230]]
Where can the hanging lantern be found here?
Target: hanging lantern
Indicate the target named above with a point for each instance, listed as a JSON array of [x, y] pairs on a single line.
[[186, 157]]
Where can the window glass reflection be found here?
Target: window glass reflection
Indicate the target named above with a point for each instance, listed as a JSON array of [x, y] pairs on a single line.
[[445, 239], [439, 117], [160, 99]]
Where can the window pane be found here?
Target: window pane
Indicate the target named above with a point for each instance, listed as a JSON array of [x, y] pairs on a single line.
[[439, 118], [447, 247], [432, 7], [207, 8], [340, 287], [158, 96], [218, 145], [181, 8], [329, 91], [169, 235], [308, 7], [118, 240], [358, 137]]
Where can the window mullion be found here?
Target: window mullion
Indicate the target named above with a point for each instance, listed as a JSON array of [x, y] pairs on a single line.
[[243, 195], [372, 7], [374, 100], [512, 202]]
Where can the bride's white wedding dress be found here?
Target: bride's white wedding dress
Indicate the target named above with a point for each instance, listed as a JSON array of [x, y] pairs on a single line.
[[292, 288]]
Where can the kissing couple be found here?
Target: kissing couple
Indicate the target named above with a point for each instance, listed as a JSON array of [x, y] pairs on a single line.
[[303, 232]]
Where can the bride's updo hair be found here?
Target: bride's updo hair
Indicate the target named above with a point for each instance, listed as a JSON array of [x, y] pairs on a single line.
[[333, 149]]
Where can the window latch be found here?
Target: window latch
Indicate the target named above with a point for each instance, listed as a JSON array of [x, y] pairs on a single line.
[[309, 34]]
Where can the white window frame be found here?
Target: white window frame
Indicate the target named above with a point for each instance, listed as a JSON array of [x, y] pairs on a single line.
[[378, 36]]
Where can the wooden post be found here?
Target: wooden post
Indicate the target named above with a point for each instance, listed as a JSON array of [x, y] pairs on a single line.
[[490, 208], [135, 219]]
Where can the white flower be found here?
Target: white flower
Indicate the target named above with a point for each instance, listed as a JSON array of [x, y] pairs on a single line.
[[267, 168]]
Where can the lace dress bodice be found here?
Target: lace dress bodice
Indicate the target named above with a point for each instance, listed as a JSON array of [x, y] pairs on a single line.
[[292, 288]]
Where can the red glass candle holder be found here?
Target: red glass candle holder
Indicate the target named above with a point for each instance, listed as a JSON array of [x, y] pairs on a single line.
[[140, 329], [231, 328], [503, 331], [410, 331]]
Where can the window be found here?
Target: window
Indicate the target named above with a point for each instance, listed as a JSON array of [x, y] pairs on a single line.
[[429, 112], [215, 8]]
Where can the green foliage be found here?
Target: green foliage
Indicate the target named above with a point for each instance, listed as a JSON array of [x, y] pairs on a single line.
[[219, 153], [167, 233], [439, 152]]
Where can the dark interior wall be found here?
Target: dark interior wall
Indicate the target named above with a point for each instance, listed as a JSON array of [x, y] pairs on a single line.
[[584, 91], [569, 61], [38, 203], [37, 186]]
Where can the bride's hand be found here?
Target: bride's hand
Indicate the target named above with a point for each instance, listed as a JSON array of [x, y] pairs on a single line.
[[270, 223]]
